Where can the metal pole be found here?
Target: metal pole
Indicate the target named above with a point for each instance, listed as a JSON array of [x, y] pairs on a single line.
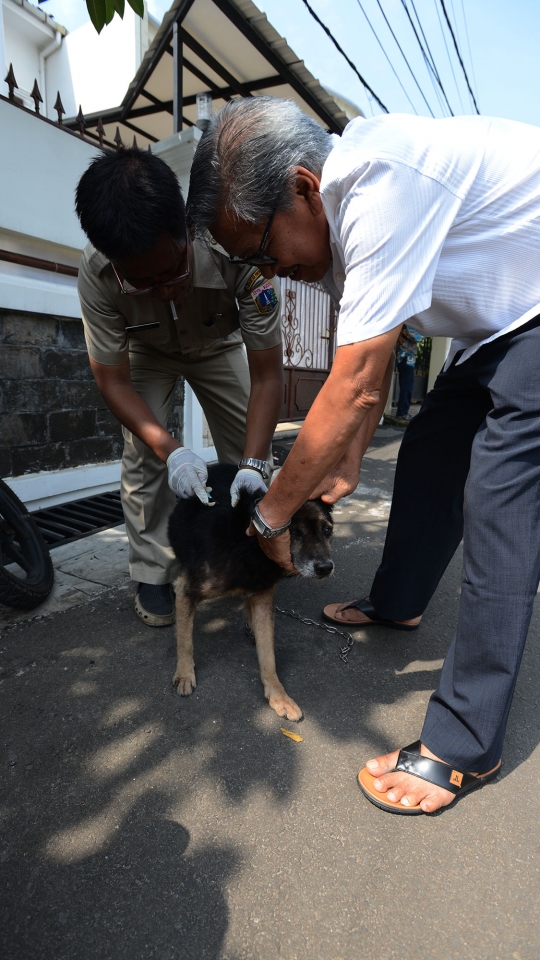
[[177, 79]]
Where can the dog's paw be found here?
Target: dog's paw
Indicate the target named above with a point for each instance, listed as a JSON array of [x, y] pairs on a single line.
[[184, 685], [285, 707]]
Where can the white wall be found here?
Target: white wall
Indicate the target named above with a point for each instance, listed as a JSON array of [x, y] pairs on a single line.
[[94, 70], [39, 169], [28, 34]]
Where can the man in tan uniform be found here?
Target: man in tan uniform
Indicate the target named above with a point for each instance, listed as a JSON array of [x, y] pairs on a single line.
[[158, 305]]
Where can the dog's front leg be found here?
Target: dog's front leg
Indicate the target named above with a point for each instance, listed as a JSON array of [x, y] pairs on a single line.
[[184, 678], [260, 607]]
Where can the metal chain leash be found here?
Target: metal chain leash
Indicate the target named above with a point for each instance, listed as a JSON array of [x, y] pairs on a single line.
[[343, 651]]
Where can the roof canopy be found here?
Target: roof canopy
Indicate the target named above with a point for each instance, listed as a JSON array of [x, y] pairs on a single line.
[[224, 47]]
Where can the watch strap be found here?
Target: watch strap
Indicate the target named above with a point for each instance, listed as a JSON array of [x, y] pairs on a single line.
[[262, 527], [261, 466]]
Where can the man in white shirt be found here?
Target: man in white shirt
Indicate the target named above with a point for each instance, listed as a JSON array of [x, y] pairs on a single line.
[[436, 222]]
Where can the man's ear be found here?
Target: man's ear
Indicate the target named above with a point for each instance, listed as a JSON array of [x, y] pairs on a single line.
[[308, 187]]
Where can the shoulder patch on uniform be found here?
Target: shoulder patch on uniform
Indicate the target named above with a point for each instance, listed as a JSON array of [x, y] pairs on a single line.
[[264, 295]]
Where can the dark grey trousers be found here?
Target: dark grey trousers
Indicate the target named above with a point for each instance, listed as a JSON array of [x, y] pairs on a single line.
[[469, 466]]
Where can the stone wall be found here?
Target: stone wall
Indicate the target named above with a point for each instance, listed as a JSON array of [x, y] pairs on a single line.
[[51, 413]]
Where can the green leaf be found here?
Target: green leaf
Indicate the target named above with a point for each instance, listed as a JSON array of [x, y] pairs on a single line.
[[119, 6], [97, 13], [110, 10], [137, 6]]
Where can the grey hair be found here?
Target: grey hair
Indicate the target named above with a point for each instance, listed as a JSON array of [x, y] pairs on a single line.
[[245, 161]]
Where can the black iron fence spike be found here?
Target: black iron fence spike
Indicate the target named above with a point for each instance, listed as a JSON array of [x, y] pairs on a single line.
[[135, 145], [36, 96], [100, 130], [118, 139], [81, 121], [149, 148], [11, 82], [59, 107]]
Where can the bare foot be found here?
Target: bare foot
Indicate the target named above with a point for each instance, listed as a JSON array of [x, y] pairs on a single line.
[[404, 787], [411, 791]]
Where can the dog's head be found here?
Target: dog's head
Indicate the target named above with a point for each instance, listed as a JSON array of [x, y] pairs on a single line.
[[311, 540]]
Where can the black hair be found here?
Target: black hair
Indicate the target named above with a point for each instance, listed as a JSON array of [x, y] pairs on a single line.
[[126, 200]]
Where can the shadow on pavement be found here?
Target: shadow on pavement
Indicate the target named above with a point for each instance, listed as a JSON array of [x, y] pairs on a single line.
[[105, 765]]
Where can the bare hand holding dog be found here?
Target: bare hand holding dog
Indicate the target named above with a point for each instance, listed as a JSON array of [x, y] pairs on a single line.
[[278, 549], [339, 482]]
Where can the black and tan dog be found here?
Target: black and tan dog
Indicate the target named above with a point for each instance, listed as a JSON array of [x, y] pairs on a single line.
[[217, 558]]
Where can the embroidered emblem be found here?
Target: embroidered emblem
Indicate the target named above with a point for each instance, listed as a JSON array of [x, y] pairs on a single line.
[[264, 297], [456, 778]]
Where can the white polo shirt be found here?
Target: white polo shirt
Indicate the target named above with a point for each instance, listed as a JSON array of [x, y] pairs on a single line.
[[436, 222]]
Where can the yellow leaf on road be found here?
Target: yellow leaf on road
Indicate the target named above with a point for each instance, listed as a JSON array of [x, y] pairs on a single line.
[[292, 736]]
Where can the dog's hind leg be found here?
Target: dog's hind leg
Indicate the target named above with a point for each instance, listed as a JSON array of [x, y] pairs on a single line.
[[260, 608], [184, 678]]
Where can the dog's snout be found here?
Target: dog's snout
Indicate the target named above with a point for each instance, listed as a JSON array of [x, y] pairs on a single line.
[[323, 568]]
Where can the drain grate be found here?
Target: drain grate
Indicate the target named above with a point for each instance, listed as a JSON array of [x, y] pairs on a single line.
[[79, 518]]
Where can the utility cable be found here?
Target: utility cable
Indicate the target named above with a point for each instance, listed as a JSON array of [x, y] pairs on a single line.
[[459, 56], [471, 61], [405, 58], [364, 83], [429, 63], [387, 57], [448, 54]]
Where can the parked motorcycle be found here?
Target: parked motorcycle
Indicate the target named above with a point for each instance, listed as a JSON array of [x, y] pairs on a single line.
[[26, 570]]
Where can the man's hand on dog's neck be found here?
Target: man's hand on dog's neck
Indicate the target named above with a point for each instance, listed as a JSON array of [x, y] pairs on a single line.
[[278, 549], [345, 414]]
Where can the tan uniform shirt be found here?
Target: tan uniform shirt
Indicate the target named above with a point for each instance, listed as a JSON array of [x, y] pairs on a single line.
[[223, 301]]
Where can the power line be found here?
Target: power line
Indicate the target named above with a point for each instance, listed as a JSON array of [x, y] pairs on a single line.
[[405, 58], [448, 54], [459, 55], [430, 63], [364, 83], [471, 61], [386, 55], [455, 22]]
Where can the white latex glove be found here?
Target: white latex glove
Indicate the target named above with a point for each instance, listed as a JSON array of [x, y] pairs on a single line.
[[247, 479], [187, 474]]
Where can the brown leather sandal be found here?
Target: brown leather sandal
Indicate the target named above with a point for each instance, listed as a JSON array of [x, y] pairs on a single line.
[[331, 613], [433, 771]]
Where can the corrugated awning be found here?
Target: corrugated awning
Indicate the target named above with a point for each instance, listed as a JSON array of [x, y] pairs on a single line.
[[225, 47]]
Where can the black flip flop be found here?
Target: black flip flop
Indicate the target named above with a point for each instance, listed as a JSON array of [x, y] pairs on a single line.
[[433, 771], [366, 607]]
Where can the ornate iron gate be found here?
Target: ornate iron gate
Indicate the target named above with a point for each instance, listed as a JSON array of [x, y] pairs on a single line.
[[308, 323]]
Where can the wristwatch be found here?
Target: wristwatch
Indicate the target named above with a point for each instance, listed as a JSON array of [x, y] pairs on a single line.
[[261, 466], [262, 527]]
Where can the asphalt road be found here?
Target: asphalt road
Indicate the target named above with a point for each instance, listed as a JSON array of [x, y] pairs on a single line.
[[137, 825]]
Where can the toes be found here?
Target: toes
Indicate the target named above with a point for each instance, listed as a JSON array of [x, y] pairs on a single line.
[[394, 785], [383, 764]]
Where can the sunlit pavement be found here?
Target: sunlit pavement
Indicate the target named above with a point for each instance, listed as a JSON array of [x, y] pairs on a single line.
[[137, 824]]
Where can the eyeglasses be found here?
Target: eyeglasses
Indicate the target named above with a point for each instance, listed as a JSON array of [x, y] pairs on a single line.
[[139, 291], [259, 259]]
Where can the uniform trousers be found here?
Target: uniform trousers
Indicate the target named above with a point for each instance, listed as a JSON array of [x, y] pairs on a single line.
[[469, 466], [221, 384]]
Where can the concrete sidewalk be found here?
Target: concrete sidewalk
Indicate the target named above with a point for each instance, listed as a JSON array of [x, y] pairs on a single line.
[[140, 825]]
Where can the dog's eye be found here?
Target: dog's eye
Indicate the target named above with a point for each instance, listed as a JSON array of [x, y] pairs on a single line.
[[327, 531], [296, 535]]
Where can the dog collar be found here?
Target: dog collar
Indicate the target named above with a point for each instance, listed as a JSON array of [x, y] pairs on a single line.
[[262, 527]]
